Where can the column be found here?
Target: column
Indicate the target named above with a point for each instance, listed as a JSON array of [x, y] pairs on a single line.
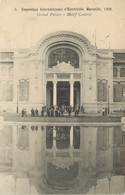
[[71, 136], [55, 93], [71, 93], [118, 73], [16, 95]]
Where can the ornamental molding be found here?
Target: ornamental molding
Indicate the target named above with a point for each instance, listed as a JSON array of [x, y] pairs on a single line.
[[58, 38], [33, 52], [63, 67], [67, 37], [106, 56]]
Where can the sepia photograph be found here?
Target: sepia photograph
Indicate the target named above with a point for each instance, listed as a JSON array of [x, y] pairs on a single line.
[[62, 97]]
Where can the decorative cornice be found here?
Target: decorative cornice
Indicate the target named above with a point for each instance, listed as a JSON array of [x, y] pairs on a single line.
[[67, 37]]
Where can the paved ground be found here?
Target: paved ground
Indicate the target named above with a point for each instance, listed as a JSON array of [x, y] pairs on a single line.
[[83, 118]]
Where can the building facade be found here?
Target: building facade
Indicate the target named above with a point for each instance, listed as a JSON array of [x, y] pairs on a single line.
[[64, 68]]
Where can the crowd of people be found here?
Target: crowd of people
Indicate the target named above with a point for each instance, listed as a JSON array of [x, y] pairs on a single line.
[[54, 111]]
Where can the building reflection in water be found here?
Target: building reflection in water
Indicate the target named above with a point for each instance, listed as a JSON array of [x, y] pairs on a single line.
[[63, 159]]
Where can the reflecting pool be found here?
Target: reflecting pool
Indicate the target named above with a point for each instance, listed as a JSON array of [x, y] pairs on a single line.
[[62, 160]]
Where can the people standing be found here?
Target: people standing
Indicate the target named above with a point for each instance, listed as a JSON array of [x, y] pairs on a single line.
[[36, 112], [32, 113]]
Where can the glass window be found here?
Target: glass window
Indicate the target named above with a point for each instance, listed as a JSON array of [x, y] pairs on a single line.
[[122, 72], [102, 90], [63, 54], [119, 92], [23, 90]]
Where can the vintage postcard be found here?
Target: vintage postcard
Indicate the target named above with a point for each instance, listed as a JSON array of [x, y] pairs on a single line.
[[62, 97]]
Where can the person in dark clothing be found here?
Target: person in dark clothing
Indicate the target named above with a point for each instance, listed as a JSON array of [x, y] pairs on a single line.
[[32, 127], [42, 112], [23, 113], [52, 111], [32, 112], [76, 112], [48, 112], [61, 111], [69, 110], [56, 112], [36, 128]]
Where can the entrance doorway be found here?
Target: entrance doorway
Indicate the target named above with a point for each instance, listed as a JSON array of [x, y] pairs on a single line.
[[63, 93]]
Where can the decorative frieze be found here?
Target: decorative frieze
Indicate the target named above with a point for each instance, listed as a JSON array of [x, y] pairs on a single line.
[[63, 75]]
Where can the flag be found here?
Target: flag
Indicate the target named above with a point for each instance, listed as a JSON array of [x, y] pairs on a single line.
[[107, 36]]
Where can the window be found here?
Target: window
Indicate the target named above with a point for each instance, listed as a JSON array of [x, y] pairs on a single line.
[[122, 72], [23, 90], [102, 90], [119, 92], [6, 91], [63, 54]]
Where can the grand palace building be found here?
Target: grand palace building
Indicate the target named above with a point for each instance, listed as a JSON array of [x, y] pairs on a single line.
[[64, 68]]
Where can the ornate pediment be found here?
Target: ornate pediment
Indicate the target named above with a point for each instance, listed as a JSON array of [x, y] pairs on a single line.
[[63, 67]]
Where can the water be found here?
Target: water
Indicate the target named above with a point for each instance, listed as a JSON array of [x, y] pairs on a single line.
[[62, 160]]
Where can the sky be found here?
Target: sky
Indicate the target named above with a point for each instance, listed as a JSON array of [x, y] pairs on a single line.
[[24, 29]]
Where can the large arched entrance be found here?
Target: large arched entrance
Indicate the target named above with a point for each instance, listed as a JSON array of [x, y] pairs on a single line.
[[63, 74]]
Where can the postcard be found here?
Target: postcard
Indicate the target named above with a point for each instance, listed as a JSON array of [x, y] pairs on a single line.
[[62, 97]]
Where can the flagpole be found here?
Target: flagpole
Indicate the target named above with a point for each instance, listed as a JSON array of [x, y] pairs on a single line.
[[95, 39], [109, 44]]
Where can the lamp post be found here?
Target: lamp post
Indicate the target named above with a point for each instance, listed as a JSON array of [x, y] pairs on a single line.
[[17, 103], [109, 181], [108, 108]]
